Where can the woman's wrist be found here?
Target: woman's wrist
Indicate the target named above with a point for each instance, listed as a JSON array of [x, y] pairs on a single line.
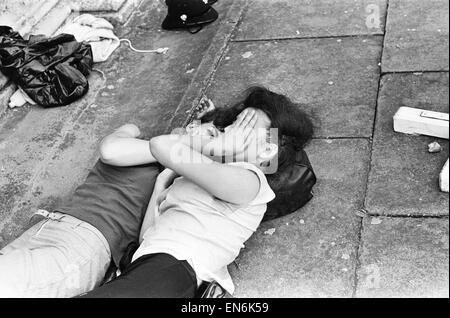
[[195, 142]]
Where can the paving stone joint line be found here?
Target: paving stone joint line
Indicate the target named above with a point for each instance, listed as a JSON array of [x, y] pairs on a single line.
[[361, 221], [413, 72], [341, 137], [308, 38], [399, 216]]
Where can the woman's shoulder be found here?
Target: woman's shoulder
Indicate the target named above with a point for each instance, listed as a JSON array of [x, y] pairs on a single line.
[[265, 193]]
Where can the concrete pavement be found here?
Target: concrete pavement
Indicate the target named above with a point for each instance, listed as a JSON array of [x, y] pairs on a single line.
[[378, 224]]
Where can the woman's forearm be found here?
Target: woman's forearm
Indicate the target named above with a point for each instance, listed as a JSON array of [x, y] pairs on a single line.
[[124, 148], [231, 184], [202, 145], [196, 142]]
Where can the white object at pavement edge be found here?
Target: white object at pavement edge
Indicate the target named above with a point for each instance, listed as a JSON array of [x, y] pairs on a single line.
[[443, 178], [410, 120], [421, 122], [20, 98]]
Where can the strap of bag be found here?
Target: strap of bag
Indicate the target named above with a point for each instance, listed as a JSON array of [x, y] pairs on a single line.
[[214, 290]]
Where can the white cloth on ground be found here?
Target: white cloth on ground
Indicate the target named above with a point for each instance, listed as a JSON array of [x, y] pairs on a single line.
[[97, 31], [20, 98]]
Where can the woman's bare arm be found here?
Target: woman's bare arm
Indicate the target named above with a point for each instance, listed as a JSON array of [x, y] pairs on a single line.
[[124, 148], [152, 212], [163, 181], [229, 183]]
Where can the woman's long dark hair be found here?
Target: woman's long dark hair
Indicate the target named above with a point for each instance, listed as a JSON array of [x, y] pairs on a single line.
[[294, 125]]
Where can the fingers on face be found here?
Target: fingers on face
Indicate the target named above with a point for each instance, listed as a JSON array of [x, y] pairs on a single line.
[[240, 118], [246, 118], [249, 136], [248, 127], [250, 121]]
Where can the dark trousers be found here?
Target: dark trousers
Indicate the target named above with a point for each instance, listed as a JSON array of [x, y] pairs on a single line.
[[151, 276]]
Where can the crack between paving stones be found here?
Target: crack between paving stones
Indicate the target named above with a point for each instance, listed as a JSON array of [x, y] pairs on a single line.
[[240, 20], [307, 38], [361, 220], [340, 137], [413, 72], [359, 247], [136, 9], [393, 216]]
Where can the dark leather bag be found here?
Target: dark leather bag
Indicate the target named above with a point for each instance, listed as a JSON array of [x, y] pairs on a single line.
[[292, 184], [51, 70]]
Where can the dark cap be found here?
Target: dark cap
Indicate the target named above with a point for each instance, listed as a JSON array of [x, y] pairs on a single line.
[[188, 13]]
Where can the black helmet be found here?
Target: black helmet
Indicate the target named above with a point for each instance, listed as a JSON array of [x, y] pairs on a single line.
[[188, 14]]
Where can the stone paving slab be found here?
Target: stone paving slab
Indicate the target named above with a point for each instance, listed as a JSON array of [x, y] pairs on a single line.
[[98, 5], [268, 19], [404, 176], [46, 153], [336, 79], [23, 15], [36, 14], [404, 257], [122, 15], [53, 20], [312, 252], [417, 36]]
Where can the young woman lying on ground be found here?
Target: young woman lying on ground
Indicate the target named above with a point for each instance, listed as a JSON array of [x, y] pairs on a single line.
[[210, 198], [193, 228]]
